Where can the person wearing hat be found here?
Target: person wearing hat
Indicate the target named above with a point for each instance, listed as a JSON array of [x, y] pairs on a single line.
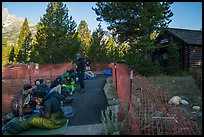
[[21, 101], [80, 66], [50, 115], [25, 103]]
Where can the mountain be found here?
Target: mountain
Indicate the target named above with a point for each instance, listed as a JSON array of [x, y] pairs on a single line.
[[11, 26]]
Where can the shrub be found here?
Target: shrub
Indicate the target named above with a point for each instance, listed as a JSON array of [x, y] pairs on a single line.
[[111, 125], [148, 67]]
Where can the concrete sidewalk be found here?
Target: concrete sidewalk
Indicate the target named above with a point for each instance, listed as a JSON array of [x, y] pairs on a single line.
[[94, 129]]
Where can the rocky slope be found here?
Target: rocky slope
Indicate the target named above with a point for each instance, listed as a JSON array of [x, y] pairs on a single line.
[[11, 26]]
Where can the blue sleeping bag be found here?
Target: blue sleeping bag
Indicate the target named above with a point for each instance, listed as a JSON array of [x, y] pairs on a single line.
[[107, 72]]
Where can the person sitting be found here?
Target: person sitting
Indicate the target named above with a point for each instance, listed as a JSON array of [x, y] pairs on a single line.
[[69, 73], [56, 82], [72, 74], [61, 90], [50, 115], [41, 85], [68, 86], [23, 103]]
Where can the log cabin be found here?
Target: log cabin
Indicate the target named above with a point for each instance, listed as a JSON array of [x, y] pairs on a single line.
[[188, 44]]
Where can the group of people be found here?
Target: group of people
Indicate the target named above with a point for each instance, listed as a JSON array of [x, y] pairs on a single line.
[[36, 107], [40, 106]]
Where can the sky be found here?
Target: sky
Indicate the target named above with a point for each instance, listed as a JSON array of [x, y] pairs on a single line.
[[187, 15]]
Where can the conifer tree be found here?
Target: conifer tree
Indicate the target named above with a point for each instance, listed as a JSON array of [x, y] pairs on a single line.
[[5, 53], [122, 50], [56, 40], [173, 66], [24, 43], [111, 49], [134, 22], [39, 45], [84, 37], [12, 54], [97, 49]]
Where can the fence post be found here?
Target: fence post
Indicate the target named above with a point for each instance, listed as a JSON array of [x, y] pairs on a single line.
[[50, 73], [29, 73], [115, 77], [131, 77]]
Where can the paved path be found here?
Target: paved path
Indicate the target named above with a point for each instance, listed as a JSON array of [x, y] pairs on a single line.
[[88, 106]]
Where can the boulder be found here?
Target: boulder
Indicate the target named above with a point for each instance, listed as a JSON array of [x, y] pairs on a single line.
[[174, 100], [196, 108], [184, 102]]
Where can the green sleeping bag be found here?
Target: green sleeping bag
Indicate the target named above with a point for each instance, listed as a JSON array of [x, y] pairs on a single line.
[[37, 131]]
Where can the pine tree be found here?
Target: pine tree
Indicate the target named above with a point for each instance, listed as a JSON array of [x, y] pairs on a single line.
[[84, 37], [12, 54], [24, 43], [122, 51], [5, 53], [97, 49], [38, 50], [111, 50], [173, 66], [56, 39], [134, 22]]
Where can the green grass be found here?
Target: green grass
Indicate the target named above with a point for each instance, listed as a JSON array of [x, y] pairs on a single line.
[[183, 86], [196, 71]]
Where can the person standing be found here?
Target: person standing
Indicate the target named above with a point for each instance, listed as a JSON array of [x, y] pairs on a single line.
[[80, 66]]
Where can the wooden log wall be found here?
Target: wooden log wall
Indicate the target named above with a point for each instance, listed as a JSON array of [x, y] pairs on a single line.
[[196, 57]]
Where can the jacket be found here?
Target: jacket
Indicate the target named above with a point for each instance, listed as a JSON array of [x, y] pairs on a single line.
[[56, 82], [51, 103], [80, 65]]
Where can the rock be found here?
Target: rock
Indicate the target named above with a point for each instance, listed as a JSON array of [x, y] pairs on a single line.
[[11, 26], [196, 108], [184, 102], [175, 100], [109, 80]]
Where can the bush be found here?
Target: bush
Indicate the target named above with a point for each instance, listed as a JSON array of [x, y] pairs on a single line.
[[194, 72], [197, 75], [173, 67], [148, 67], [111, 125]]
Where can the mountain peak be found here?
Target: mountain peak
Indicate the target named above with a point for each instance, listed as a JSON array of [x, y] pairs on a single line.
[[11, 26]]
